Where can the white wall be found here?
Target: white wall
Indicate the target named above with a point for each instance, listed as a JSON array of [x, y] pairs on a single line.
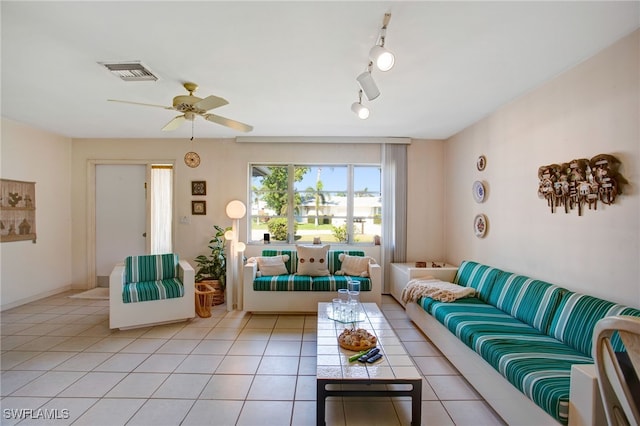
[[224, 165], [32, 271], [590, 109]]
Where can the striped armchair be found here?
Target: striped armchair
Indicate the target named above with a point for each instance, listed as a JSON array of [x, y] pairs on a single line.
[[151, 289]]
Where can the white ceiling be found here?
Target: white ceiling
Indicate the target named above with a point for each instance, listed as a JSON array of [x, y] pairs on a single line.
[[289, 68]]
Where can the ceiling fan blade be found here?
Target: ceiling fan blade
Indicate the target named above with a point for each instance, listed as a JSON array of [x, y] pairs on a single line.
[[139, 103], [174, 124], [236, 125], [210, 102]]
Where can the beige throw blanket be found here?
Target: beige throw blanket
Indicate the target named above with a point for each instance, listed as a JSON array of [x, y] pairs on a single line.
[[435, 289]]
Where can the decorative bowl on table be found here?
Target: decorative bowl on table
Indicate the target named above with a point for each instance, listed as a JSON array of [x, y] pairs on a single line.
[[357, 340]]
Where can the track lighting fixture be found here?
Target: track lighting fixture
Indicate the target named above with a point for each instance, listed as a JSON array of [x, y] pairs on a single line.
[[380, 55], [384, 60], [361, 110], [367, 84]]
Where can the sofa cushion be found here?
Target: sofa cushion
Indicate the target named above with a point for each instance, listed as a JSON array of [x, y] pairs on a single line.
[[480, 277], [312, 260], [576, 318], [333, 257], [531, 301], [287, 282], [150, 267], [537, 364], [272, 265], [144, 291], [291, 264], [471, 318], [335, 282], [357, 266]]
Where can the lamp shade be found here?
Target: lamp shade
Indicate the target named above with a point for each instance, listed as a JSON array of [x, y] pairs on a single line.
[[360, 110], [236, 209], [382, 57], [368, 85]]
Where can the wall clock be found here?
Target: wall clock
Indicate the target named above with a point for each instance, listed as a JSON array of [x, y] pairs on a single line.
[[192, 159]]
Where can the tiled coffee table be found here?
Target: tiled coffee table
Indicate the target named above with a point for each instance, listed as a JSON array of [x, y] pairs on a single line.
[[393, 375]]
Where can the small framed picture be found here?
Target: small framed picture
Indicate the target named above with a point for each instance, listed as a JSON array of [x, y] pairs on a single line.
[[198, 187], [198, 207]]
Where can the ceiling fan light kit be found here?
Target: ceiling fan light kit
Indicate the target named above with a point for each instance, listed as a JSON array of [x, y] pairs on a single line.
[[192, 106], [384, 60]]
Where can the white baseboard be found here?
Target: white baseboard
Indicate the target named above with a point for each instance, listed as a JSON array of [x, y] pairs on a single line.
[[35, 297]]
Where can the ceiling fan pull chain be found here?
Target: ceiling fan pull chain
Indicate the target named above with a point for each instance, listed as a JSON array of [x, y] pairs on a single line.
[[192, 129]]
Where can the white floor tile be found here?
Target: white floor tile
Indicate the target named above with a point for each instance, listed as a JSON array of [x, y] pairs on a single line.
[[472, 413], [272, 388], [49, 384], [203, 364], [186, 386], [93, 385], [112, 412], [232, 368], [213, 412], [227, 387], [265, 413], [137, 385]]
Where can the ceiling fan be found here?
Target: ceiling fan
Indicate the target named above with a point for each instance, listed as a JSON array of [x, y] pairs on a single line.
[[191, 106]]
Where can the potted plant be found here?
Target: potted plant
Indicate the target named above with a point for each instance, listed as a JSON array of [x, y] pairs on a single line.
[[212, 268]]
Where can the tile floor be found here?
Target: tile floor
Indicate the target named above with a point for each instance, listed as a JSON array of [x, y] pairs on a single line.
[[62, 365]]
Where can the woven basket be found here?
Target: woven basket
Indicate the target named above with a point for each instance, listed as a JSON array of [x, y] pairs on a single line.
[[208, 293]]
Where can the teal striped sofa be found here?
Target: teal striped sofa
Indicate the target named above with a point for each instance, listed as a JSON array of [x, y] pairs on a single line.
[[529, 331], [151, 289], [301, 293]]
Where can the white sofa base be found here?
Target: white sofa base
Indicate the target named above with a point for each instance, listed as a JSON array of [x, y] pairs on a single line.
[[298, 301], [510, 404], [154, 312]]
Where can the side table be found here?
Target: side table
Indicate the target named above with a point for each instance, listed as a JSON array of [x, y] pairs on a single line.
[[402, 273]]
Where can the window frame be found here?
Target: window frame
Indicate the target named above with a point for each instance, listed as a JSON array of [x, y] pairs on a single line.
[[291, 192]]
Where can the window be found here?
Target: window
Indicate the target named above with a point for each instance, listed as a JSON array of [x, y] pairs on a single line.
[[299, 203], [161, 208]]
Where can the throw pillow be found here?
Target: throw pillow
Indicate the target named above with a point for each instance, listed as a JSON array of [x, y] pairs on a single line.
[[356, 266], [272, 265], [312, 260]]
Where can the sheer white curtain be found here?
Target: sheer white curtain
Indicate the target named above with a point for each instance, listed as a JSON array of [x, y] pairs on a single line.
[[161, 208], [394, 193]]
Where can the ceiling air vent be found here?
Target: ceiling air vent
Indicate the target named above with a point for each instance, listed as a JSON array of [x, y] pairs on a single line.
[[130, 71]]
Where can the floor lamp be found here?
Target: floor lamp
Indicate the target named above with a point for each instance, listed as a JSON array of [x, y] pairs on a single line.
[[235, 211]]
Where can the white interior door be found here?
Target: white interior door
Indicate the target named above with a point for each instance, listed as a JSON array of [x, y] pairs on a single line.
[[121, 217]]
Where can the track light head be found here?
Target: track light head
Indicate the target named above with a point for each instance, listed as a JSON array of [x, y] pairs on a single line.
[[382, 57], [361, 111], [368, 85]]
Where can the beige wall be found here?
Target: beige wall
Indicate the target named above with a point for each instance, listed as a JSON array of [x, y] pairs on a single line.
[[425, 191], [31, 271], [591, 109], [224, 165]]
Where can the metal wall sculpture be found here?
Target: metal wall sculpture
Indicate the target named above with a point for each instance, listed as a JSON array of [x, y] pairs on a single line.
[[581, 182]]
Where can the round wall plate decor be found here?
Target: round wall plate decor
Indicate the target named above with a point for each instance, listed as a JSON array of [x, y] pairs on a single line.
[[480, 225], [478, 191], [481, 163], [192, 159]]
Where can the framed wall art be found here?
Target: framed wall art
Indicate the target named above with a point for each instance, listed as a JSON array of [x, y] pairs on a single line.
[[199, 187], [198, 207], [17, 210]]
